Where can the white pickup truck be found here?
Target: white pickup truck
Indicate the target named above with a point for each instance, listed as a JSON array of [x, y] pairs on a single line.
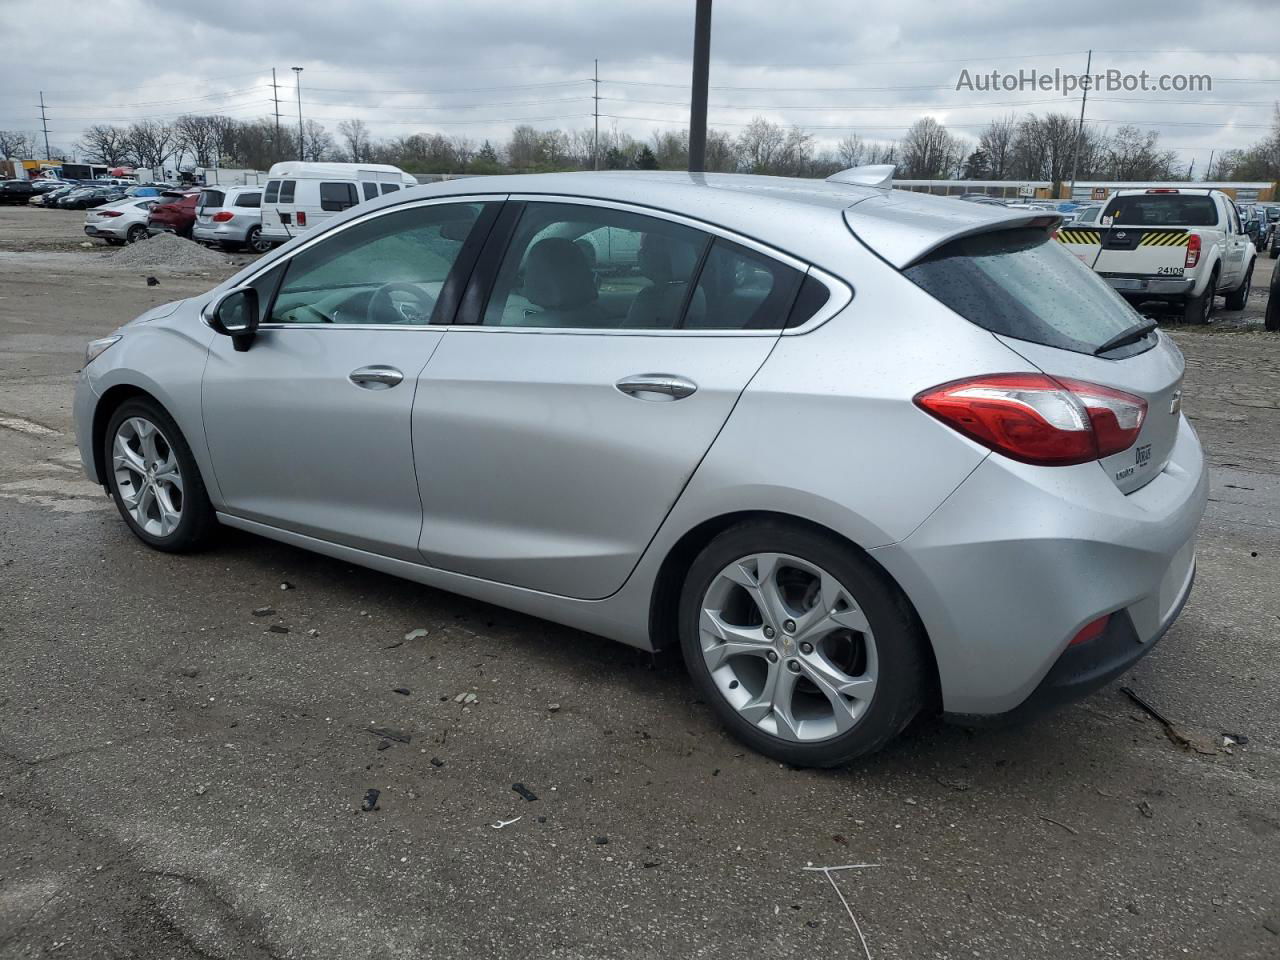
[[1177, 245]]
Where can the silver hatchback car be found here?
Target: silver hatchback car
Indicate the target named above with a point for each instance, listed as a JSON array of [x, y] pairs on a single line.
[[860, 453]]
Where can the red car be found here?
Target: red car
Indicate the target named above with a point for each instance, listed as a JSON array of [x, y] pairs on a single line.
[[174, 213]]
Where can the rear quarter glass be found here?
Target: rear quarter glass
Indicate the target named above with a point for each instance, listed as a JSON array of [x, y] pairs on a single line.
[[1020, 283]]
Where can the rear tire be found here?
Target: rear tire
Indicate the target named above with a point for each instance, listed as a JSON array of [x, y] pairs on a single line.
[[1272, 320], [254, 242], [1199, 310], [840, 620], [136, 232], [1238, 298], [154, 480]]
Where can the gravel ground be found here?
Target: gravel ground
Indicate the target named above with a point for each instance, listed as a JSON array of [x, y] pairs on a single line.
[[176, 780]]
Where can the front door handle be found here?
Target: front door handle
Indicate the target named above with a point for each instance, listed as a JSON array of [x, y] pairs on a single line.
[[657, 386], [376, 377]]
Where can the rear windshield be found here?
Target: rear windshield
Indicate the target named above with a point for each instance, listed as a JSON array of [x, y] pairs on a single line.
[[211, 198], [1162, 210], [1023, 284]]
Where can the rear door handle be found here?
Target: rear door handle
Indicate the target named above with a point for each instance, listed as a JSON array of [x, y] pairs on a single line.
[[376, 377], [657, 386]]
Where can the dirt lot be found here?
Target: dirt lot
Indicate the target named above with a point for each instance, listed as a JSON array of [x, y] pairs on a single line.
[[177, 782]]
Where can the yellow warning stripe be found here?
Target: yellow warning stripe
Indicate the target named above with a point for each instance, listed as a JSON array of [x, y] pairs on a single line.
[[1164, 239], [1079, 236]]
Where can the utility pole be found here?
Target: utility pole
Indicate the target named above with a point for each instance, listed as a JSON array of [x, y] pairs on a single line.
[[44, 121], [275, 98], [297, 72], [595, 143], [698, 102], [1208, 171], [1084, 98]]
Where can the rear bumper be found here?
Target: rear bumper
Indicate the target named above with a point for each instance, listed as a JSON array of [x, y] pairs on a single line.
[[99, 230], [220, 232], [1010, 568], [1083, 669], [1156, 286]]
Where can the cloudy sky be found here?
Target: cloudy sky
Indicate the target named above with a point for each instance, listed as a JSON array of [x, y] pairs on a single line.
[[477, 68]]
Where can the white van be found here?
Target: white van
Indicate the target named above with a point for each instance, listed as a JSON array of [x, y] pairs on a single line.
[[298, 196]]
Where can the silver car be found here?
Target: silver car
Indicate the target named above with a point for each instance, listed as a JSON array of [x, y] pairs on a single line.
[[122, 221], [231, 217], [860, 453]]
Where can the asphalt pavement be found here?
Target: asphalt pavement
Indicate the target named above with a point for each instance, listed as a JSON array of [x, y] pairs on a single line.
[[179, 779]]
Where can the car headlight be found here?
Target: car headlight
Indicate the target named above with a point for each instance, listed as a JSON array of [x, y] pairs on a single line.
[[96, 348]]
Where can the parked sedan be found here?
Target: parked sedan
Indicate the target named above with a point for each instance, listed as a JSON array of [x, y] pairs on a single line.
[[231, 217], [16, 191], [119, 222], [86, 197], [858, 453], [49, 199]]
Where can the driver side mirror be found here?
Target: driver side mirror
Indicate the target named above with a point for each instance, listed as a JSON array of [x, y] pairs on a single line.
[[235, 314]]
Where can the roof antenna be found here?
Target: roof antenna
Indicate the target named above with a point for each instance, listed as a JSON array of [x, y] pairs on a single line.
[[873, 175]]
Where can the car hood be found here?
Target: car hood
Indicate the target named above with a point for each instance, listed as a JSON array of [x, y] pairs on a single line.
[[157, 313]]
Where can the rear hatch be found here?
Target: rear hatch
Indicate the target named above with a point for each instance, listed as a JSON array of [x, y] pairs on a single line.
[[1147, 234], [1024, 288], [210, 202]]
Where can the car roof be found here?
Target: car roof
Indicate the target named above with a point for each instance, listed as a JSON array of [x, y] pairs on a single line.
[[799, 216]]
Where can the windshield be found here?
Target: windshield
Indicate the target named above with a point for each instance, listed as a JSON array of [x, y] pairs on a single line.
[[1162, 210], [1021, 283]]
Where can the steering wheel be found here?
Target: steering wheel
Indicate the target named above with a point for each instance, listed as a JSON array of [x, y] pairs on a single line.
[[381, 302]]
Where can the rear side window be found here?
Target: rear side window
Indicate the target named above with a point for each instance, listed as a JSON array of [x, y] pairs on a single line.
[[338, 196], [273, 192], [1023, 284], [390, 187], [1162, 210], [286, 190], [370, 190], [249, 200], [739, 289]]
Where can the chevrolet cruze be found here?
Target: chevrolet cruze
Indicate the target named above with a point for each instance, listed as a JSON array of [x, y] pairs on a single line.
[[859, 452]]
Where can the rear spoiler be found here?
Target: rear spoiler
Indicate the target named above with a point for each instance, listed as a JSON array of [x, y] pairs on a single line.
[[903, 227]]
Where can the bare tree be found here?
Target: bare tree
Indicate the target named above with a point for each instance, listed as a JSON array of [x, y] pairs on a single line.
[[317, 144], [722, 155], [851, 150], [202, 137], [105, 143], [461, 151], [1136, 155], [996, 141], [355, 134], [928, 150], [14, 144], [151, 143], [1043, 147], [760, 144]]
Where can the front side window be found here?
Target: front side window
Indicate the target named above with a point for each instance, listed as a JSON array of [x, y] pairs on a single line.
[[592, 267], [386, 270], [336, 197]]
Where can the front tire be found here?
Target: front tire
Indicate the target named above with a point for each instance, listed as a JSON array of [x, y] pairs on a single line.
[[805, 649], [154, 480]]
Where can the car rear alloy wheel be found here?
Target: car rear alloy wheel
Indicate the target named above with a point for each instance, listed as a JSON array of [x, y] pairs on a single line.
[[805, 648], [154, 480], [148, 476], [788, 647], [136, 232], [255, 242]]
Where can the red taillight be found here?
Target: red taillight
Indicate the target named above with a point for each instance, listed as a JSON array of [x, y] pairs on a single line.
[[109, 213], [1047, 421], [302, 218], [222, 216], [1091, 631], [1193, 250]]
